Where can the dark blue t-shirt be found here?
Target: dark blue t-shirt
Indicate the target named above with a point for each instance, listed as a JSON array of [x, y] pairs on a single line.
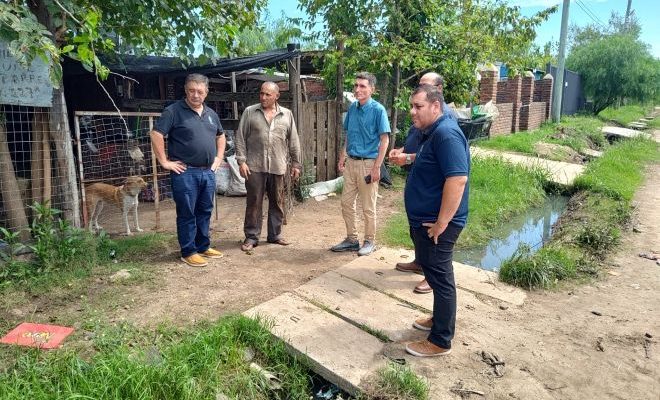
[[443, 152], [411, 145], [191, 138]]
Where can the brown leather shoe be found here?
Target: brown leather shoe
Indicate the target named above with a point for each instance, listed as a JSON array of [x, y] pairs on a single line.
[[281, 242], [423, 287], [424, 348], [410, 267], [424, 324]]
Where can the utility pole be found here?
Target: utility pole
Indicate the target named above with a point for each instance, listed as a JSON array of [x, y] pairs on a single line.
[[628, 15], [558, 90]]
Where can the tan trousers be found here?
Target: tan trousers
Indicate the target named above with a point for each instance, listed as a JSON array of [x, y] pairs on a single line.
[[354, 187]]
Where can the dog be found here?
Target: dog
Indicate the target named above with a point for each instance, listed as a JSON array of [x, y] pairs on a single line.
[[125, 197]]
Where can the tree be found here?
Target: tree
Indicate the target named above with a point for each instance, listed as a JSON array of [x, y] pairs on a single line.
[[616, 67], [449, 36], [83, 29], [270, 35]]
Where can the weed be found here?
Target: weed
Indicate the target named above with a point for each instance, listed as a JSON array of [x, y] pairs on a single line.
[[174, 364], [598, 238], [396, 381], [301, 188]]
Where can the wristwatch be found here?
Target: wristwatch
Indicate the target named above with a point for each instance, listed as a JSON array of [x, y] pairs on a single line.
[[408, 159]]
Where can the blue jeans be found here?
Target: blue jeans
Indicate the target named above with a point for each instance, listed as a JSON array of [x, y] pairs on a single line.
[[193, 191], [436, 261]]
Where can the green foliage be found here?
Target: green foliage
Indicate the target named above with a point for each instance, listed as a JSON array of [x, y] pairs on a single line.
[[204, 363], [540, 270], [57, 244], [399, 382], [576, 132], [85, 29], [616, 67], [270, 34], [12, 268], [627, 114], [620, 171], [598, 238], [301, 187], [450, 37]]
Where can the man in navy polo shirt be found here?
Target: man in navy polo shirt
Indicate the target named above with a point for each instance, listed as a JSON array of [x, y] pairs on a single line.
[[367, 137], [436, 199], [195, 148], [405, 156]]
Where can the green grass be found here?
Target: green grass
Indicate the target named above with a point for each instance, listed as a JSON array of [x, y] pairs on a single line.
[[620, 171], [592, 227], [396, 382], [498, 190], [627, 114], [200, 363], [578, 133]]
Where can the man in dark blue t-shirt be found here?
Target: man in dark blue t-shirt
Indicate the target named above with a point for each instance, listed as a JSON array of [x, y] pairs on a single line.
[[195, 148], [405, 156], [436, 199]]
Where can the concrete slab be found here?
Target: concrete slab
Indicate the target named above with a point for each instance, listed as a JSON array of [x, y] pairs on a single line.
[[377, 270], [591, 153], [615, 131], [562, 173], [362, 305], [337, 350], [638, 125]]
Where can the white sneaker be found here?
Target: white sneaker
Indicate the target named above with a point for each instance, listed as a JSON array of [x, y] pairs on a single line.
[[367, 248]]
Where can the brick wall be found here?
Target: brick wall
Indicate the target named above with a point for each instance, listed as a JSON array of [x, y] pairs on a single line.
[[523, 102], [314, 89], [502, 124]]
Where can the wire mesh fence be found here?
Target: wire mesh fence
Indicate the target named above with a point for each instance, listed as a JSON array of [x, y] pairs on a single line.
[[113, 151], [31, 168]]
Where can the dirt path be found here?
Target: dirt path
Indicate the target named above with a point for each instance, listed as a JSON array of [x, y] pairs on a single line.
[[589, 341]]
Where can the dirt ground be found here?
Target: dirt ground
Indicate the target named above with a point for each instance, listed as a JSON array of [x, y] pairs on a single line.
[[590, 341]]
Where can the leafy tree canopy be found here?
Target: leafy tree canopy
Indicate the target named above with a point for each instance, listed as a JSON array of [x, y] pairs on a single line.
[[271, 34], [83, 29], [616, 67], [448, 36]]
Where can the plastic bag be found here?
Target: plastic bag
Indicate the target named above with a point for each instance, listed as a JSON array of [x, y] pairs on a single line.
[[222, 178], [236, 182]]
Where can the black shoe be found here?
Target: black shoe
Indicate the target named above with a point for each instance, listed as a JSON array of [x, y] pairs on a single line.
[[347, 245]]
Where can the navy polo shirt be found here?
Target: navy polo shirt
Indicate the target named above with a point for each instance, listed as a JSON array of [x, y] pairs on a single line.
[[364, 124], [443, 152], [191, 137], [411, 145]]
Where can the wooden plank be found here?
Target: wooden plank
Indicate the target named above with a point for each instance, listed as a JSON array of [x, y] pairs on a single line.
[[310, 143], [331, 154], [321, 140]]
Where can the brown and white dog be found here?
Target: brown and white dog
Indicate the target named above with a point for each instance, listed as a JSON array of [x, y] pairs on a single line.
[[125, 197]]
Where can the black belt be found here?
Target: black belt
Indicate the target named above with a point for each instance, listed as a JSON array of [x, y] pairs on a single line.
[[201, 167], [360, 158]]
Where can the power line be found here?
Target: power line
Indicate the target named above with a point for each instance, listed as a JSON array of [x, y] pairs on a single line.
[[590, 13]]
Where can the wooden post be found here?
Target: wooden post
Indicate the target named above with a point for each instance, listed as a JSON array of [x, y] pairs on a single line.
[[395, 112], [154, 171], [11, 194], [340, 102], [61, 135]]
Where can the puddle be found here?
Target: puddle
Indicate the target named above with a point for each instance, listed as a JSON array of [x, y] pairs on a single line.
[[531, 228]]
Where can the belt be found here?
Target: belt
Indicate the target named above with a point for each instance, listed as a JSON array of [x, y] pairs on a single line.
[[196, 167], [360, 158]]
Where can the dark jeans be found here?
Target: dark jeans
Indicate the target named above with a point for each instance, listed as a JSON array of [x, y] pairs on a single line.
[[436, 261], [193, 191], [258, 184]]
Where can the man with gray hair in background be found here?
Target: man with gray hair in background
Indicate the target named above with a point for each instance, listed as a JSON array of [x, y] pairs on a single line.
[[367, 137], [195, 149]]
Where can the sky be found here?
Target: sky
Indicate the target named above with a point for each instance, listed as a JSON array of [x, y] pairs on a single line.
[[581, 13]]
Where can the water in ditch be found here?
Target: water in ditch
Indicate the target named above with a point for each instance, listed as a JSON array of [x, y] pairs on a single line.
[[533, 227]]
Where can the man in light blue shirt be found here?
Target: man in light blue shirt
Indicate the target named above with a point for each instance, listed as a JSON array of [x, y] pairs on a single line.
[[367, 137]]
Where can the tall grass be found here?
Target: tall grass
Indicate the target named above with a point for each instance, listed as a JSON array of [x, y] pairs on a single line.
[[203, 363], [620, 171], [593, 227], [577, 133], [626, 114], [498, 190]]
